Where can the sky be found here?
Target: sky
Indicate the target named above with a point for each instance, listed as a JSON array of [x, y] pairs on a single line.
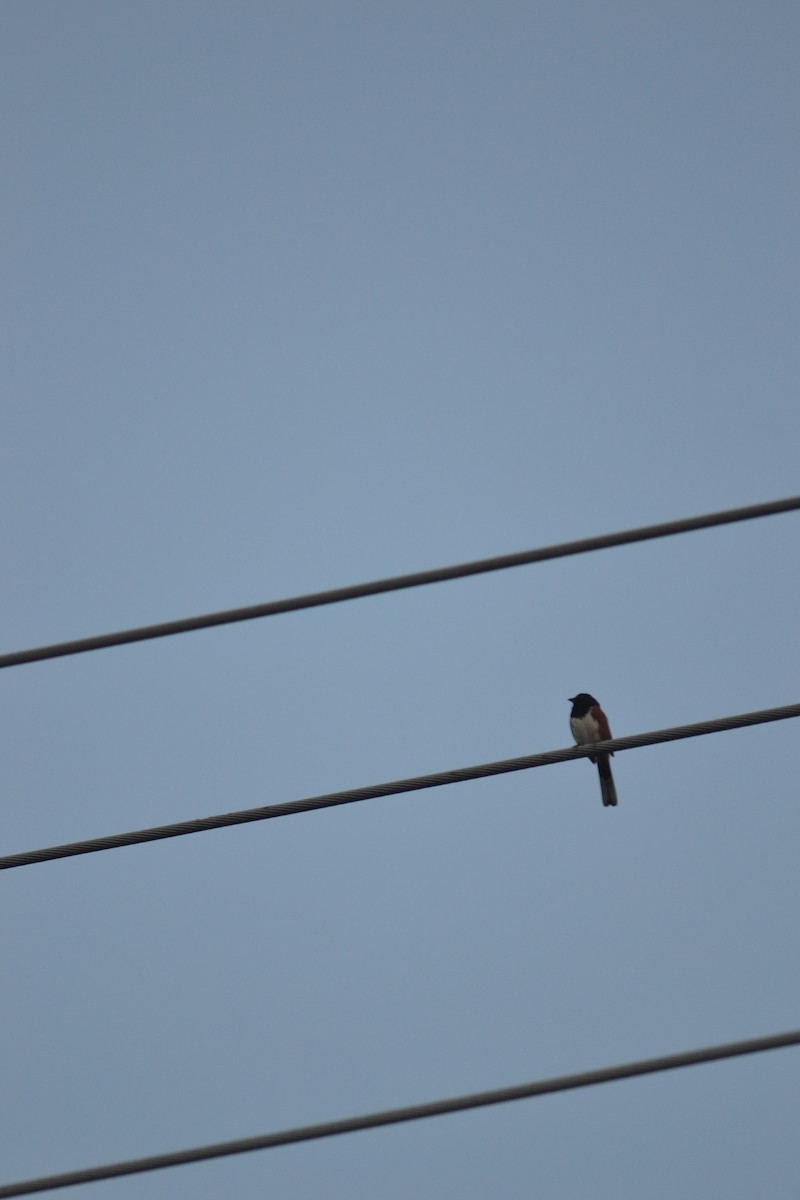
[[298, 295]]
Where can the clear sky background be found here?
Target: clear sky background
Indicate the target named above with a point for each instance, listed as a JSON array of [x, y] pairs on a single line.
[[302, 294]]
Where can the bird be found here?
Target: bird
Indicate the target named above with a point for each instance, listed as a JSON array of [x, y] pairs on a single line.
[[589, 724]]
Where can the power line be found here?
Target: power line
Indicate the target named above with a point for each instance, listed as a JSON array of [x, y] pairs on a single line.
[[397, 1116], [398, 582], [395, 787]]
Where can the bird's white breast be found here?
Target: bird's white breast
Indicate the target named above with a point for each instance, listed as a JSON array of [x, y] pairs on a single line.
[[584, 729]]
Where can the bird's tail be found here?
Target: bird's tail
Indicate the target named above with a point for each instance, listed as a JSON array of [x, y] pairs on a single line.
[[607, 787]]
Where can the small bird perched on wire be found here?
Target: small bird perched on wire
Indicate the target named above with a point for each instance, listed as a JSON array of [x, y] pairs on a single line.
[[589, 724]]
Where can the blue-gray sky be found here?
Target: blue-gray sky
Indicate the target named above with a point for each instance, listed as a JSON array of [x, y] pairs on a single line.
[[302, 294]]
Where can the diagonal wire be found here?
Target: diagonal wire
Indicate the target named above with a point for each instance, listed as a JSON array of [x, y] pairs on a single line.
[[399, 582], [395, 787], [397, 1116]]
